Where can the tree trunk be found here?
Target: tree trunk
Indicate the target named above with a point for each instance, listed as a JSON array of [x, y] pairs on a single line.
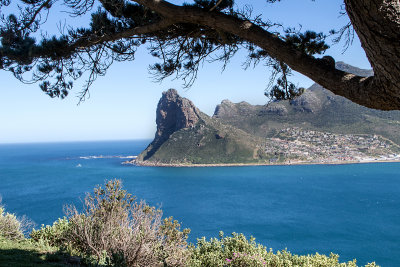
[[377, 23]]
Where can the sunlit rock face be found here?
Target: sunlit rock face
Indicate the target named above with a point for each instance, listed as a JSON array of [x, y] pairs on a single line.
[[307, 102], [173, 113]]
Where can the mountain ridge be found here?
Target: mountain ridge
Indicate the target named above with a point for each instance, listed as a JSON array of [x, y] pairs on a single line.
[[241, 133]]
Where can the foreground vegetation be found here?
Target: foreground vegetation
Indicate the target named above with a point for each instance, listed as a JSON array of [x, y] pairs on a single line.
[[115, 230], [26, 252]]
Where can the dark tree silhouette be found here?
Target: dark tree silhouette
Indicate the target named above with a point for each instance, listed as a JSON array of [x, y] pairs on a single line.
[[182, 37]]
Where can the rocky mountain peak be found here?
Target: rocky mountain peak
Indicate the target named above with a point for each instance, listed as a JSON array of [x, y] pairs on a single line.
[[351, 69], [226, 102], [173, 113], [274, 108], [224, 109], [230, 109], [307, 102]]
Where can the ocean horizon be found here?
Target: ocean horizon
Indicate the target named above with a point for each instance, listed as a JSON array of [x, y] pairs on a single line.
[[350, 209]]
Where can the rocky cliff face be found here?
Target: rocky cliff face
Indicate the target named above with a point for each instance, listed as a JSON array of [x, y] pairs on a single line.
[[173, 113], [307, 102], [348, 68], [274, 108], [230, 109]]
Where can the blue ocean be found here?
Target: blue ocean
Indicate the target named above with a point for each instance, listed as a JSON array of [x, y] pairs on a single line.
[[352, 210]]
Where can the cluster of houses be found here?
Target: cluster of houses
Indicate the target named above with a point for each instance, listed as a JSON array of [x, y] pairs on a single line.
[[300, 145]]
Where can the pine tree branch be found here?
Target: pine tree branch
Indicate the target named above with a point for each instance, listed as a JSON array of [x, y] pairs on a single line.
[[358, 89], [216, 5], [93, 39], [380, 91], [36, 13]]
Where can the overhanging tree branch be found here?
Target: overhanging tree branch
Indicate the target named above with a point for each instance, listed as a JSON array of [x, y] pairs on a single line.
[[364, 91], [183, 36], [94, 39]]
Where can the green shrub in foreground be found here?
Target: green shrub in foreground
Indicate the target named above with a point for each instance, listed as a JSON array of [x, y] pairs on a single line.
[[55, 235], [114, 229], [10, 226], [237, 251]]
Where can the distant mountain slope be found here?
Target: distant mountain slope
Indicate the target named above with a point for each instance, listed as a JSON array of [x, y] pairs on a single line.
[[317, 109], [340, 65]]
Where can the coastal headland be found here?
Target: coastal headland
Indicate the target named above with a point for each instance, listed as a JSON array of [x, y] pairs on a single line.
[[317, 127]]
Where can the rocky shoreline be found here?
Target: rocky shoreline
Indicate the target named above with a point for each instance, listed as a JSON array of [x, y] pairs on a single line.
[[191, 165]]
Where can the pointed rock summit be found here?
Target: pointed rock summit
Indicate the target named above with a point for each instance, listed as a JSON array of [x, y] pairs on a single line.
[[173, 113]]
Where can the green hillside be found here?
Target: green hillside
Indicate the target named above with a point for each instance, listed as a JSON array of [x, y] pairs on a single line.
[[209, 142]]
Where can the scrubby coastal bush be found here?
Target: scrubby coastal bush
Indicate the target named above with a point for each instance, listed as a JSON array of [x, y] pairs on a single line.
[[220, 251], [12, 227], [55, 235], [114, 229], [237, 251]]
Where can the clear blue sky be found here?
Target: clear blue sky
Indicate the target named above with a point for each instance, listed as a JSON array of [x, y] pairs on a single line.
[[123, 103]]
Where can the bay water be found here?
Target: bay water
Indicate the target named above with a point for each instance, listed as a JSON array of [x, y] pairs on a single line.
[[352, 210]]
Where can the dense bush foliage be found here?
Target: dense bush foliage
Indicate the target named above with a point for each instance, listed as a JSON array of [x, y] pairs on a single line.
[[55, 235], [237, 251], [116, 230], [12, 227]]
